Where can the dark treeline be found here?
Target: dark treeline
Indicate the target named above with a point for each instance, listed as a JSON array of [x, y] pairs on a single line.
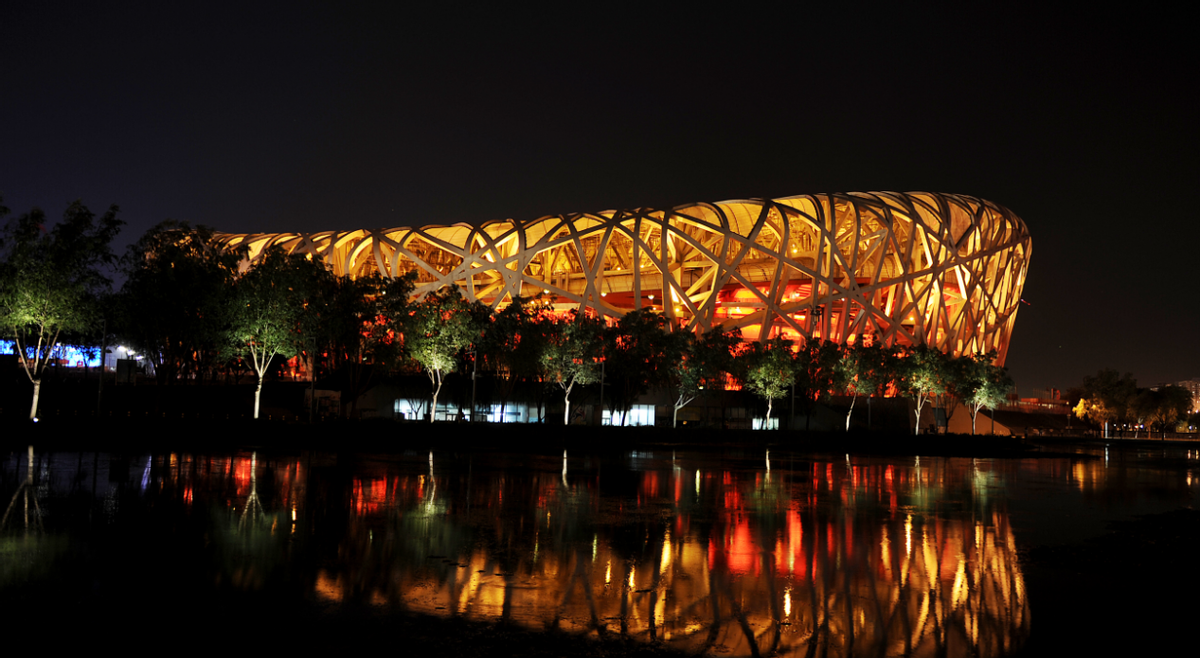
[[1110, 398], [192, 312]]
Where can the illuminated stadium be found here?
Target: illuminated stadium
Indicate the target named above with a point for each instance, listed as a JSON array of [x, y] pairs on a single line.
[[905, 268]]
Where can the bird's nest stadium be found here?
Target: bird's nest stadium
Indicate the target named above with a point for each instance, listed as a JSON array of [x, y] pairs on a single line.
[[905, 268]]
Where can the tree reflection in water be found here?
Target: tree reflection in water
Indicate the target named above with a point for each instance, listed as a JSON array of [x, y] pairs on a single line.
[[748, 556], [26, 492], [836, 558]]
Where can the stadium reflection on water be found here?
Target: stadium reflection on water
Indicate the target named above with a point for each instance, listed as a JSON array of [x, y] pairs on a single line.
[[735, 553]]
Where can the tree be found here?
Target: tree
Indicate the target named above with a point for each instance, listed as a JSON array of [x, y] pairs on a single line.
[[923, 370], [270, 302], [1173, 406], [354, 325], [175, 304], [572, 354], [864, 369], [980, 383], [513, 343], [636, 356], [699, 362], [440, 327], [51, 281], [1162, 408], [1107, 397], [768, 370], [817, 365]]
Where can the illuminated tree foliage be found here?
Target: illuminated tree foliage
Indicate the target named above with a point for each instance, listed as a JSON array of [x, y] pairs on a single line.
[[768, 370], [51, 281], [270, 305], [864, 370], [922, 376], [980, 383], [441, 326], [697, 363], [572, 354]]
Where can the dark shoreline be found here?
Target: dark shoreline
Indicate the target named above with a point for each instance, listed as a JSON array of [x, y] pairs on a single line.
[[388, 437]]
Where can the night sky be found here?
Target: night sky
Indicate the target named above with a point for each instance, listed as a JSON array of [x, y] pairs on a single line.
[[282, 118]]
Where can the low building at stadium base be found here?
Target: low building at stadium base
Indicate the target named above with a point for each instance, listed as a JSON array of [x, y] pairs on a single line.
[[905, 268]]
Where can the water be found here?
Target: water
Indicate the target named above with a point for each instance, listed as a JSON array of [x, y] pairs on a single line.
[[731, 553]]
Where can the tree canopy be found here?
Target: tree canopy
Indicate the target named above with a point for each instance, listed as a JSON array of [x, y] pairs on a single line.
[[512, 344], [637, 352], [980, 383], [441, 326], [1107, 397], [864, 369], [700, 362], [176, 304], [768, 370], [923, 371], [51, 281], [270, 303], [574, 345]]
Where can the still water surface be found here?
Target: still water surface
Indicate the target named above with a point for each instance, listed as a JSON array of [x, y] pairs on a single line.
[[732, 552]]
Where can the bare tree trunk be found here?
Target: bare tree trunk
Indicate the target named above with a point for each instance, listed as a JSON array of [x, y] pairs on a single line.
[[37, 391], [567, 404], [312, 386], [437, 389], [257, 395]]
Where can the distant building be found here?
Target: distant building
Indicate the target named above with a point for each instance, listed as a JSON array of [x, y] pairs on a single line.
[[1193, 386]]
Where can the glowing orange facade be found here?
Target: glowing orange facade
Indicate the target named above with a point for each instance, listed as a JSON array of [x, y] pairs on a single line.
[[942, 269]]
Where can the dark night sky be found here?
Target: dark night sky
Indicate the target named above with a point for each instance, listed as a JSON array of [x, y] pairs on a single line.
[[281, 118]]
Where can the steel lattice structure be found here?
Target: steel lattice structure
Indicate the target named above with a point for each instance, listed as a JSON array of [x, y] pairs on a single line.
[[907, 268]]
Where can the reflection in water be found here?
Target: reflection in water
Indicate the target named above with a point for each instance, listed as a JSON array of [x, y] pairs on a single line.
[[839, 558], [766, 554], [253, 511], [25, 492]]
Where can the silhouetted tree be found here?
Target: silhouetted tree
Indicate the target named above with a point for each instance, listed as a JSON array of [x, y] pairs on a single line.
[[1107, 397], [1161, 408], [817, 364], [353, 326], [513, 343], [175, 306], [637, 356]]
